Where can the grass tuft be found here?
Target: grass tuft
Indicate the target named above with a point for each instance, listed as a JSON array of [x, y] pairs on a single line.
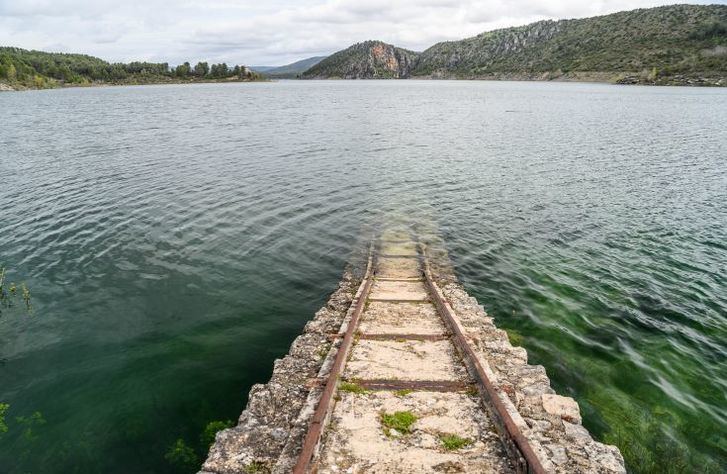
[[403, 393], [400, 421], [452, 442], [352, 387]]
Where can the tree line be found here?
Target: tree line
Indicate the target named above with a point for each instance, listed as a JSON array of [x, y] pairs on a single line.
[[39, 69]]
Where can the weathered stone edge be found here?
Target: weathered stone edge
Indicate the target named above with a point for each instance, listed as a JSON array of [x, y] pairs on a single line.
[[271, 428], [551, 423]]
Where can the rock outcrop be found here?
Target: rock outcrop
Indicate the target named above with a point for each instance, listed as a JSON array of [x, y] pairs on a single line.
[[367, 60]]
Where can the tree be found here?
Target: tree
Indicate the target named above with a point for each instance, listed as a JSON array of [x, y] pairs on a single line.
[[201, 69], [220, 70], [183, 70], [11, 72]]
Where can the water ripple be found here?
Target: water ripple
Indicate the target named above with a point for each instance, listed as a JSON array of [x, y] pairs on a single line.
[[176, 240]]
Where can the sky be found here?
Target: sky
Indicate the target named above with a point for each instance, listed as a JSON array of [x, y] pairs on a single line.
[[267, 32]]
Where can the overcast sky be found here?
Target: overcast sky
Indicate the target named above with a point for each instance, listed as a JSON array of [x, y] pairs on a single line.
[[267, 32]]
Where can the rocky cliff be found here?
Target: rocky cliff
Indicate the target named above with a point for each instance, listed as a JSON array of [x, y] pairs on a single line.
[[367, 60]]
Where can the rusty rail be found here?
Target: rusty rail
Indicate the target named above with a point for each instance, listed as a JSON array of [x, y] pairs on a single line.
[[517, 446], [325, 407]]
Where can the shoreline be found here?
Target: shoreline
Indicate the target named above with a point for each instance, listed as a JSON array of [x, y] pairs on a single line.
[[623, 79]]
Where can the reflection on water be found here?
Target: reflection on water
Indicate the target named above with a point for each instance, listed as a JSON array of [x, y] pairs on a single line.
[[177, 239]]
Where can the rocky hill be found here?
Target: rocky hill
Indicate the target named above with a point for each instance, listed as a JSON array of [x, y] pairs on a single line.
[[367, 60], [672, 44]]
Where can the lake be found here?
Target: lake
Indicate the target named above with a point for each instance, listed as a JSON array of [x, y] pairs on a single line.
[[176, 239]]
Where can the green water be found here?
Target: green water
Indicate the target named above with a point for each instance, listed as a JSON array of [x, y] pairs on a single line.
[[176, 239]]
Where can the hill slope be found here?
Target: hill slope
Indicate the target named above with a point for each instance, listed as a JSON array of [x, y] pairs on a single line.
[[292, 69], [367, 60], [672, 44]]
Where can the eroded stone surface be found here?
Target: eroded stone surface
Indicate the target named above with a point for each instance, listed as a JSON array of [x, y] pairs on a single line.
[[404, 360], [395, 235], [398, 291], [401, 318], [398, 268], [358, 442], [399, 248], [563, 407]]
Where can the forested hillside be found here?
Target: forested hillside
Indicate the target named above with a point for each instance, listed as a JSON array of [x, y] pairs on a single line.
[[656, 42], [676, 44]]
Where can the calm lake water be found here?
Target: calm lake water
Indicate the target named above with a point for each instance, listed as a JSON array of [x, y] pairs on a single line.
[[177, 238]]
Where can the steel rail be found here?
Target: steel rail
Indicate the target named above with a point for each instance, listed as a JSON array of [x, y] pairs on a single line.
[[324, 409], [516, 444]]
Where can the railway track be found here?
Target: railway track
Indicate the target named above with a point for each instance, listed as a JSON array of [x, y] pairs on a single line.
[[406, 392]]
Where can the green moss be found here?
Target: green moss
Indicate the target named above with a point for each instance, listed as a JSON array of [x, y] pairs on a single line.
[[30, 424], [257, 467], [182, 456], [3, 426], [400, 421], [403, 393], [516, 339], [452, 442]]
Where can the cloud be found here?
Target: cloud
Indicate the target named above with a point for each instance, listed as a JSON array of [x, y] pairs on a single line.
[[272, 32]]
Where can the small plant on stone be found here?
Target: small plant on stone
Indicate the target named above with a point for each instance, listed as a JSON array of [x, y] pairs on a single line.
[[401, 421], [403, 393], [323, 351], [452, 442], [352, 387], [472, 391]]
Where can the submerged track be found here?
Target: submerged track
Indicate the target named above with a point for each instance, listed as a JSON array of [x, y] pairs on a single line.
[[406, 392]]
